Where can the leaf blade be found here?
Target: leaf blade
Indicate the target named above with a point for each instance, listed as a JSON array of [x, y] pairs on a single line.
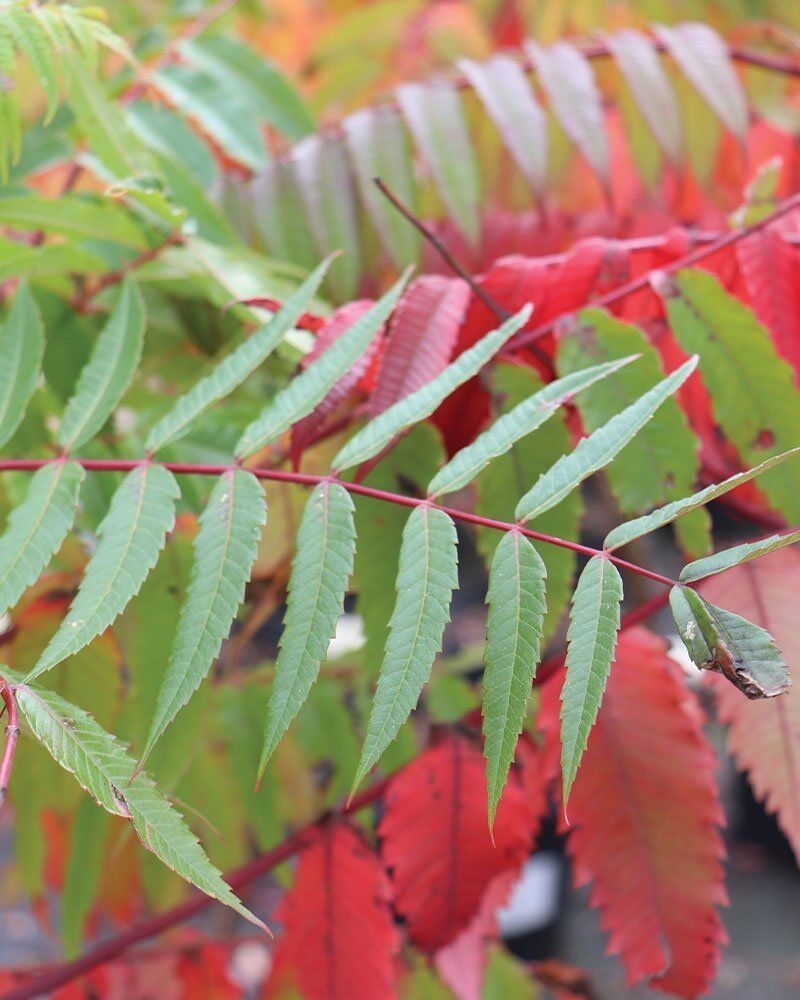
[[22, 349]]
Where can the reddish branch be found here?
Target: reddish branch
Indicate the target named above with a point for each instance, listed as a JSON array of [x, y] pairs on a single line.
[[307, 479], [81, 301], [12, 736]]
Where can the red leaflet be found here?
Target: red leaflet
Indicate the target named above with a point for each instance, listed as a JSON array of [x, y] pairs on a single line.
[[764, 737], [422, 333], [304, 430], [645, 820], [435, 839], [771, 274], [339, 939], [592, 266]]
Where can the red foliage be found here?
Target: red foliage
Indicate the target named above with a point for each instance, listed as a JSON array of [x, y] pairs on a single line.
[[339, 939], [435, 839], [644, 820]]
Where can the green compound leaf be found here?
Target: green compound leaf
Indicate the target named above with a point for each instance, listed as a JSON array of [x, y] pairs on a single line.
[[516, 599], [130, 537], [322, 567], [591, 641], [303, 393], [515, 424], [631, 530], [594, 452], [37, 527], [426, 579], [101, 766], [21, 350], [108, 372], [235, 368], [224, 551], [379, 432], [721, 641], [735, 556]]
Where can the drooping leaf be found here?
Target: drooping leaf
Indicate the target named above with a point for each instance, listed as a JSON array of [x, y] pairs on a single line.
[[425, 582], [594, 452], [435, 841], [516, 599], [339, 937], [233, 369], [721, 641], [279, 217], [569, 81], [421, 337], [752, 390], [764, 736], [379, 147], [644, 806], [378, 433], [303, 393], [591, 640], [522, 419], [21, 348], [703, 56], [225, 548], [735, 556], [84, 870], [502, 86], [631, 530], [435, 117], [101, 766], [37, 527], [317, 586], [644, 73], [107, 374], [130, 537]]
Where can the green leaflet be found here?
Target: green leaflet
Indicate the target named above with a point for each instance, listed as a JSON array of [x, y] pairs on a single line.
[[111, 366], [101, 766], [630, 530], [378, 433], [591, 640], [224, 551], [425, 582], [130, 537], [317, 586], [515, 424], [507, 478], [233, 369], [753, 395], [73, 216], [516, 599], [21, 348], [33, 41], [303, 393], [37, 527], [84, 868], [722, 641], [735, 556], [594, 452]]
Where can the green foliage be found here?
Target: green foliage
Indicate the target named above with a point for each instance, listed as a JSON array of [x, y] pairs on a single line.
[[735, 556], [21, 348]]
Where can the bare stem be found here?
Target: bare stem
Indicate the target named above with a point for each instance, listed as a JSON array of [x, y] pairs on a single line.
[[12, 737]]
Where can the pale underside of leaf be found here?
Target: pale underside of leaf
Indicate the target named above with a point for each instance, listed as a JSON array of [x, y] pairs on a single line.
[[523, 419], [721, 641], [427, 576], [130, 537], [736, 555], [378, 433], [591, 641], [108, 372], [224, 551], [595, 451], [639, 526], [103, 768], [317, 587], [516, 600], [305, 391], [21, 349], [37, 527], [235, 368]]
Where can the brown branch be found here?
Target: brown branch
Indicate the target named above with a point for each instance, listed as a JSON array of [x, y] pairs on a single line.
[[12, 737], [81, 302]]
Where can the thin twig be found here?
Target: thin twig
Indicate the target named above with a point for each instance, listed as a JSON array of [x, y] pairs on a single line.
[[12, 737], [81, 301]]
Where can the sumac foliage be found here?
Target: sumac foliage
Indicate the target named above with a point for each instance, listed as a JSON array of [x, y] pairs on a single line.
[[249, 399]]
